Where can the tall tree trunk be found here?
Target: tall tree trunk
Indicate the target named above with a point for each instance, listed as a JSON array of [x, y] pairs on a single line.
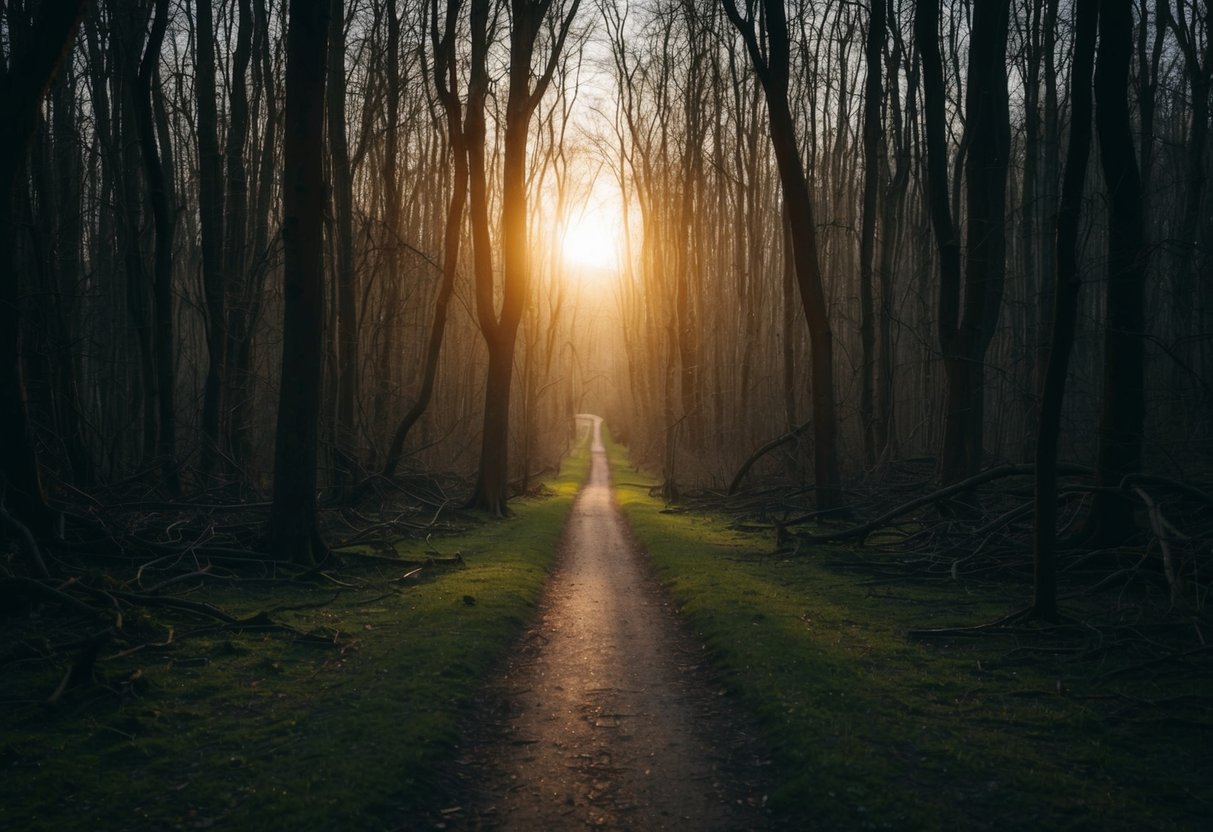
[[237, 287], [23, 83], [67, 272], [1122, 413], [965, 329], [773, 70], [244, 307], [157, 164], [501, 330], [210, 210], [445, 79], [392, 198], [292, 532], [343, 222], [1065, 312], [872, 147]]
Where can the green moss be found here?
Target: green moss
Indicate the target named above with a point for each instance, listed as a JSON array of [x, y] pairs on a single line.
[[872, 730], [251, 731]]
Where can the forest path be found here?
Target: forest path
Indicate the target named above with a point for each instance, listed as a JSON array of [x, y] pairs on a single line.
[[605, 717]]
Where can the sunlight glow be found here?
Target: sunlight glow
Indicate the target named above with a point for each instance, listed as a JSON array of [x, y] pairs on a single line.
[[592, 243]]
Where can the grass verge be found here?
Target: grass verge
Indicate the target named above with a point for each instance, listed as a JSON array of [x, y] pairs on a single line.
[[247, 730], [871, 730]]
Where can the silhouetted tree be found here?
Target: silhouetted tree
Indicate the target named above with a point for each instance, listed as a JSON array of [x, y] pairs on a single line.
[[1123, 409], [292, 531], [24, 79], [1065, 310], [772, 63]]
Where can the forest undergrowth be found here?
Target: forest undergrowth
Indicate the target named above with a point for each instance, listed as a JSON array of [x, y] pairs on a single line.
[[900, 685], [165, 679]]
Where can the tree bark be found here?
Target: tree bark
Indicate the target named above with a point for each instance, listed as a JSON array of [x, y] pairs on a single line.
[[244, 299], [292, 532], [1065, 312], [965, 329], [157, 166], [773, 71], [445, 79], [343, 273], [1122, 414], [210, 210], [872, 147], [23, 83], [501, 330], [237, 290]]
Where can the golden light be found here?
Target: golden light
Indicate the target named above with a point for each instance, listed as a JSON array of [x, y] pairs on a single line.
[[592, 242]]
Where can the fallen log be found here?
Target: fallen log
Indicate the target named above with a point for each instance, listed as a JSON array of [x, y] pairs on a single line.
[[861, 532]]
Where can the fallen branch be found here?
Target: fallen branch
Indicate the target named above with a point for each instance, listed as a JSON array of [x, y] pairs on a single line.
[[862, 531], [763, 451], [136, 599]]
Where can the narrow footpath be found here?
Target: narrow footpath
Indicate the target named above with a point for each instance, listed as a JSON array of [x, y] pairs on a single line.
[[606, 718]]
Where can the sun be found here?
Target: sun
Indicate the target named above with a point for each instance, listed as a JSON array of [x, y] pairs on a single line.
[[592, 242]]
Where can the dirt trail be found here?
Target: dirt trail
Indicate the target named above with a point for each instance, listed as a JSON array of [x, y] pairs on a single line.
[[605, 719]]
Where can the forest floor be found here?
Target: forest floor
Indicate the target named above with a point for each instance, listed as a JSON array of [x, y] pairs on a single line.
[[323, 701], [890, 698], [606, 716], [569, 668]]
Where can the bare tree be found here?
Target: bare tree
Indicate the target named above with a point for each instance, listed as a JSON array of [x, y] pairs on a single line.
[[24, 81], [772, 63], [500, 330], [343, 225], [210, 209], [292, 531], [1065, 310], [1122, 416], [155, 146], [872, 151], [446, 80], [965, 330]]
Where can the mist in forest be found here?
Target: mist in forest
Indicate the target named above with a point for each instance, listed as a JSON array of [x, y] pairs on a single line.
[[285, 251]]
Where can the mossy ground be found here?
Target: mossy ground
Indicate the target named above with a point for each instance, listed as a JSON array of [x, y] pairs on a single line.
[[255, 731], [872, 730]]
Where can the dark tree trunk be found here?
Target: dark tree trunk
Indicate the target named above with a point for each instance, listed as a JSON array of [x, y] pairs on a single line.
[[1065, 311], [67, 271], [210, 210], [237, 291], [1123, 408], [244, 300], [501, 330], [872, 147], [445, 79], [965, 329], [292, 532], [157, 165], [343, 222], [773, 69], [23, 82]]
